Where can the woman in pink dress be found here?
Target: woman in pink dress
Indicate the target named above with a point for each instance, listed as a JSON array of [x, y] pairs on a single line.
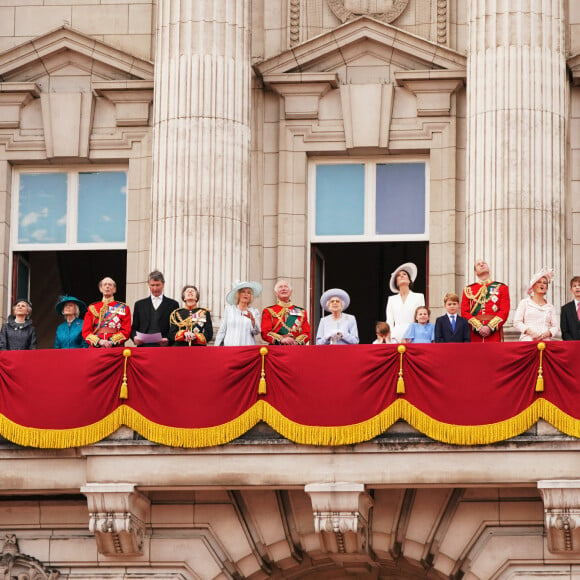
[[535, 317]]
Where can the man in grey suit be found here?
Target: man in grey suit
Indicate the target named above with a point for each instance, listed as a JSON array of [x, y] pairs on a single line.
[[151, 315], [570, 314]]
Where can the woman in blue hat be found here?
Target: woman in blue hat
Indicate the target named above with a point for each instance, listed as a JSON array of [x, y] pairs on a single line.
[[69, 333]]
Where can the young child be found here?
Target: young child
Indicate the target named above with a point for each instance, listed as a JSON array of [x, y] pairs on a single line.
[[421, 331], [451, 327], [383, 331]]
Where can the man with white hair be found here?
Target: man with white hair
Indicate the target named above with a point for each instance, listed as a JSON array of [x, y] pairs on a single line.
[[107, 322], [285, 323]]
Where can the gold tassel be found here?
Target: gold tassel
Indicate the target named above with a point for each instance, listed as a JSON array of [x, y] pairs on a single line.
[[400, 381], [262, 385], [124, 394], [540, 379]]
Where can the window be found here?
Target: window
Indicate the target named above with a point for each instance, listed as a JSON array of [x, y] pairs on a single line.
[[368, 200], [64, 210]]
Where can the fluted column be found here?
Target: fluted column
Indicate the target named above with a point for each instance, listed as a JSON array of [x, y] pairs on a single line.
[[516, 107], [201, 146]]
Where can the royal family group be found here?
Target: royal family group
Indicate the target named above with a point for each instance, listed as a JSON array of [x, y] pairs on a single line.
[[477, 316]]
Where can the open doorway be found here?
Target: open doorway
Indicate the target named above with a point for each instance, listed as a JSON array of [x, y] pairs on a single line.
[[48, 275], [363, 270]]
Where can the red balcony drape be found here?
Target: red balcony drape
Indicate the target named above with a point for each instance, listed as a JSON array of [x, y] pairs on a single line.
[[464, 394]]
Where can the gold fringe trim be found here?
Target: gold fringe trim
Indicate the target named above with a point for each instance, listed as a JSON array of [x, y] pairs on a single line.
[[296, 432]]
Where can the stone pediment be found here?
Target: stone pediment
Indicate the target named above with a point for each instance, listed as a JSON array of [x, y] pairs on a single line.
[[366, 39], [65, 51]]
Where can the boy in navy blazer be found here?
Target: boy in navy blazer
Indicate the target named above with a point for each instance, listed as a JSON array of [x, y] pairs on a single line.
[[451, 327], [569, 316]]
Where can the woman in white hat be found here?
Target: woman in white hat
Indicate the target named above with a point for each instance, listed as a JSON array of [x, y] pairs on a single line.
[[535, 317], [402, 305], [337, 327], [241, 323]]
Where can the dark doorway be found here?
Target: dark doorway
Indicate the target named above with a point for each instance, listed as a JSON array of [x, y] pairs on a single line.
[[52, 274], [363, 270]]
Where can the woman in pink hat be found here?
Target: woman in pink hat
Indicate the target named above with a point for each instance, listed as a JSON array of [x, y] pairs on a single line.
[[535, 317]]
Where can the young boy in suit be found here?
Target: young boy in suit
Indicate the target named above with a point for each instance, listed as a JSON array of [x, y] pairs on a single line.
[[451, 327], [570, 314]]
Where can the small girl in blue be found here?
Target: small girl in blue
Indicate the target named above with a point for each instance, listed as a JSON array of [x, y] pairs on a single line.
[[421, 331]]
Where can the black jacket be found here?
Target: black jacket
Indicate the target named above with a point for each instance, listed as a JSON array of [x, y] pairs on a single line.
[[17, 336], [569, 323]]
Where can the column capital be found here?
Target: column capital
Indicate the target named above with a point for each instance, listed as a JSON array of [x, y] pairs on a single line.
[[117, 515], [341, 512], [562, 514]]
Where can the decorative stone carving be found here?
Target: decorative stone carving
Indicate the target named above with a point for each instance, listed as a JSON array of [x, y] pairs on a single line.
[[294, 22], [441, 21], [341, 512], [17, 566], [385, 10], [117, 517], [562, 514]]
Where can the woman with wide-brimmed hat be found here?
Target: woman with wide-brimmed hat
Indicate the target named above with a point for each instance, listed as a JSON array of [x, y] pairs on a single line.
[[17, 332], [338, 327], [402, 305], [69, 334], [241, 322], [535, 317]]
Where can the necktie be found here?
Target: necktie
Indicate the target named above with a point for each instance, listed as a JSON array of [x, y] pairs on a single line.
[[453, 323], [156, 302], [578, 310]]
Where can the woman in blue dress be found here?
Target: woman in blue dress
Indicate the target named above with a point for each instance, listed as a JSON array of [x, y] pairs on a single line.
[[69, 333], [421, 331]]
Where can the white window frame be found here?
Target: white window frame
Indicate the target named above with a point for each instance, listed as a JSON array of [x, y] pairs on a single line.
[[71, 210], [370, 164]]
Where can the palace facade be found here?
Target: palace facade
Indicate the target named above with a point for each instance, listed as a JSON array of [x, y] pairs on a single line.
[[320, 141]]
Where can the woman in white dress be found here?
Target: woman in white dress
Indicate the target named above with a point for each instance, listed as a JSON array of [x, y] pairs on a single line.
[[337, 327], [241, 323], [535, 317], [401, 307]]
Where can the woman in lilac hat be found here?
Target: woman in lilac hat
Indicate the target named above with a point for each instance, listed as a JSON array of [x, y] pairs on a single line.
[[337, 327]]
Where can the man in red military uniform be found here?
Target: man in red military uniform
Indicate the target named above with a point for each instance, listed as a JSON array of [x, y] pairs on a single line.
[[285, 323], [107, 322], [486, 306]]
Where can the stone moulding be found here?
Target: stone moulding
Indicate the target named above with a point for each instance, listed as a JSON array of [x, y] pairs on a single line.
[[117, 515], [384, 10]]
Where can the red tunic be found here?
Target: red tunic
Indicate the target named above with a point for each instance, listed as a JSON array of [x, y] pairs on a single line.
[[107, 320], [285, 319], [486, 303]]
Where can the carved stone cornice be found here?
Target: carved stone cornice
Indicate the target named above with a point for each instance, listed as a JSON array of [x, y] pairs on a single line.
[[341, 512], [301, 91], [562, 514], [433, 89], [13, 97], [132, 100], [14, 565], [117, 517]]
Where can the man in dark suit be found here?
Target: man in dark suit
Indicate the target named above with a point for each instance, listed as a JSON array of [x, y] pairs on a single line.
[[151, 315], [570, 314], [451, 327]]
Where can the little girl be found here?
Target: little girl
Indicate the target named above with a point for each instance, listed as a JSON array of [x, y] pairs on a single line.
[[421, 331]]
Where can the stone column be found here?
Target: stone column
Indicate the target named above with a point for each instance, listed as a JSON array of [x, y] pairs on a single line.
[[201, 146], [516, 112]]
